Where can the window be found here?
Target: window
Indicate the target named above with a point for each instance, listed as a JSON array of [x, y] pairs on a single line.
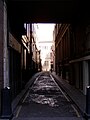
[[46, 63]]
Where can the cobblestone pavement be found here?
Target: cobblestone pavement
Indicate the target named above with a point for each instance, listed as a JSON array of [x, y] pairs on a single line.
[[45, 100]]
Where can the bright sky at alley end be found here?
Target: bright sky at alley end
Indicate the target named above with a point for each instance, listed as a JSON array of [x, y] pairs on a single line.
[[45, 31]]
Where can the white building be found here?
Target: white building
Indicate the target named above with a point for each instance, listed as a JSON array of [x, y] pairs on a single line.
[[44, 33], [45, 47]]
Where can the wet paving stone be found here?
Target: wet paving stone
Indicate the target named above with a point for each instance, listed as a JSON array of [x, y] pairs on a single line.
[[44, 99], [45, 92]]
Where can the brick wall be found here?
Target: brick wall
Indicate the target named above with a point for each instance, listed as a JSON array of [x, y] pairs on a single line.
[[1, 48], [80, 40]]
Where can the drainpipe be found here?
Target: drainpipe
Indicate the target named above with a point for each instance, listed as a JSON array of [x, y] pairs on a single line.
[[31, 65], [31, 37], [5, 50]]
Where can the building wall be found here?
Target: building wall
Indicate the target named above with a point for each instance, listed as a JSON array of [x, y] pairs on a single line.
[[62, 51], [14, 66], [72, 51], [10, 55], [81, 52]]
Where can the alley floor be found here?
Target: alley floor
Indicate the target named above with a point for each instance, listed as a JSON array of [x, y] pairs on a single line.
[[45, 100]]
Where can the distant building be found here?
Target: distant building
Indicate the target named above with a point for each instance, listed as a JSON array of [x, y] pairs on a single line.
[[52, 56], [45, 47]]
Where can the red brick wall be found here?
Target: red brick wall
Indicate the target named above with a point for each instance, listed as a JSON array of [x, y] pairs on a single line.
[[1, 48]]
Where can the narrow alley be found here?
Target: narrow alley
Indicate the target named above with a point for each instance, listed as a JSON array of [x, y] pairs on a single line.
[[44, 60], [45, 100]]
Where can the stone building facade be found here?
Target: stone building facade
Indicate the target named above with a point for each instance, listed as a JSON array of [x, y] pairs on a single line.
[[72, 54], [15, 56]]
